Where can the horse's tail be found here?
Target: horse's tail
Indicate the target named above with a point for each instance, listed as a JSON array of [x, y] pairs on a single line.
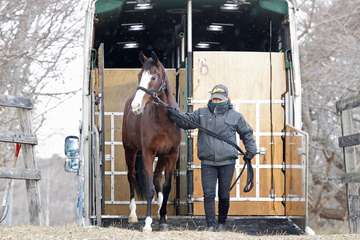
[[140, 183]]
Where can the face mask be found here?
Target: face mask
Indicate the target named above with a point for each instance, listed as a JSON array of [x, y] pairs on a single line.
[[213, 105]]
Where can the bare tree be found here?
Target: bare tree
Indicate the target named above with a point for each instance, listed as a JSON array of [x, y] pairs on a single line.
[[36, 39], [330, 57]]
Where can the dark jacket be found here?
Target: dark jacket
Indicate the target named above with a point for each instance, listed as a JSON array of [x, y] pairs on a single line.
[[225, 122]]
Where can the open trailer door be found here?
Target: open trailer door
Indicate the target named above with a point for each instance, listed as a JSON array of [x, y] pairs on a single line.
[[247, 75], [295, 167], [97, 134]]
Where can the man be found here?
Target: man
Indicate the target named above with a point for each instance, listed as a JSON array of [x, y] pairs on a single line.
[[217, 157]]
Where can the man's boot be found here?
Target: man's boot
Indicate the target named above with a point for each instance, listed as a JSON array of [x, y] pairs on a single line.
[[224, 205]]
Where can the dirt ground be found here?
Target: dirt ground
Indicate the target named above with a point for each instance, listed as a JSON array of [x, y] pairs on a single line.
[[92, 233]]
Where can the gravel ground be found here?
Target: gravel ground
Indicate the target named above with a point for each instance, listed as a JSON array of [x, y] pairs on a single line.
[[92, 233]]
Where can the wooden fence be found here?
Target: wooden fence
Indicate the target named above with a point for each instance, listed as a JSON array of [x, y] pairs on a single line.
[[28, 140]]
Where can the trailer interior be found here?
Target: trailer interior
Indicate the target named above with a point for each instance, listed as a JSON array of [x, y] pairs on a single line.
[[231, 41], [127, 27]]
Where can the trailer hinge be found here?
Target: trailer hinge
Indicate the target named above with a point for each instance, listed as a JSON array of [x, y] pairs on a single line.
[[97, 98], [177, 203], [177, 173], [189, 101], [283, 167], [283, 134], [189, 133], [283, 100], [190, 166], [283, 201]]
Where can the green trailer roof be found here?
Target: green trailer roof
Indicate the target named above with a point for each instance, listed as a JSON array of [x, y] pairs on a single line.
[[105, 6]]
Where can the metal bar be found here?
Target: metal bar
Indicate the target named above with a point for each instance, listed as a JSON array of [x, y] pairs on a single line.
[[92, 162], [111, 113], [100, 184], [199, 217], [15, 101], [306, 174], [237, 169], [84, 205], [20, 174], [113, 143], [189, 93], [260, 199], [296, 65], [124, 173], [18, 137], [98, 134], [257, 157], [178, 165], [263, 101], [112, 138], [263, 166], [261, 134]]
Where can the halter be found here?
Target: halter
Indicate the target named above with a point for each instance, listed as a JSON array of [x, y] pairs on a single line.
[[153, 92]]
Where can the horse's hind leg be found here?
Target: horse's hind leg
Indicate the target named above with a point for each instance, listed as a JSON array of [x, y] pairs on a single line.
[[130, 156], [157, 182], [169, 170]]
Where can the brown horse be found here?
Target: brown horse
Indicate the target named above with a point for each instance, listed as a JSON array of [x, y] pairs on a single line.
[[147, 129]]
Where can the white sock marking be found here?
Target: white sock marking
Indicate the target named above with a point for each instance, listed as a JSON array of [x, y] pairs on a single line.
[[132, 206], [159, 202], [148, 222]]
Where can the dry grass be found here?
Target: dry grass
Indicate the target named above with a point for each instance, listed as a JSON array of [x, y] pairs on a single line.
[[92, 233]]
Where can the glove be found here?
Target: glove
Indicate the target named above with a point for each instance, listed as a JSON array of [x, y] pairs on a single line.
[[172, 113], [248, 156]]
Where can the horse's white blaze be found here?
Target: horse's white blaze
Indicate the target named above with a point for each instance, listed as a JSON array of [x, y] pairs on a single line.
[[136, 104], [147, 227], [132, 217], [159, 202]]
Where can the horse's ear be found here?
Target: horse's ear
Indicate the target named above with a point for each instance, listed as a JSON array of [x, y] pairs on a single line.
[[154, 57], [142, 57]]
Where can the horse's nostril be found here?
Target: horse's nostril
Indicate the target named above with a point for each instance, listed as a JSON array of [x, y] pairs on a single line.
[[136, 109]]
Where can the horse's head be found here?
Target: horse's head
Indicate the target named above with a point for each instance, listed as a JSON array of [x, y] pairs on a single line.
[[151, 77]]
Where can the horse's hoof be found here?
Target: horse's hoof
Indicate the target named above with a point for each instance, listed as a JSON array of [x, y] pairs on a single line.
[[133, 219], [147, 229], [164, 227]]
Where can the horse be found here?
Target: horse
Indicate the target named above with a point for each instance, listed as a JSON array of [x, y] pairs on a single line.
[[147, 129]]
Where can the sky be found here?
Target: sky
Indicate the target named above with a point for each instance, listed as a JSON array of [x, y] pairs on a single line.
[[65, 119]]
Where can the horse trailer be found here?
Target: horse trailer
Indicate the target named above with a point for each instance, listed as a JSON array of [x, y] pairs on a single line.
[[248, 45]]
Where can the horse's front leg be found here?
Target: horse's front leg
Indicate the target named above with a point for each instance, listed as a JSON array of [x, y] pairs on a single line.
[[148, 159]]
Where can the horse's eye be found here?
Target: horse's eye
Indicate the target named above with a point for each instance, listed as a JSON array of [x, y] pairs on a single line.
[[153, 78]]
